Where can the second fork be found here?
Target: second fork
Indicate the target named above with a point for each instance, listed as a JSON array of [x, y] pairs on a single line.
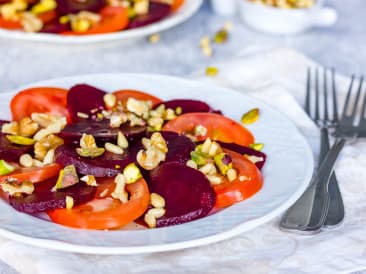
[[309, 212]]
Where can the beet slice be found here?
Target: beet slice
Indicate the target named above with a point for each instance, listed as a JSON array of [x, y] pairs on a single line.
[[84, 98], [11, 152], [188, 106], [101, 131], [179, 147], [55, 27], [245, 150], [47, 200], [107, 165], [74, 6], [187, 193], [157, 11]]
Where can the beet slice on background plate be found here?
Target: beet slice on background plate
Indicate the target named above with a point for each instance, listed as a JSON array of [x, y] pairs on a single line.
[[188, 105], [245, 150], [187, 192], [157, 11], [107, 165], [84, 98], [55, 27], [74, 6], [44, 200], [101, 131]]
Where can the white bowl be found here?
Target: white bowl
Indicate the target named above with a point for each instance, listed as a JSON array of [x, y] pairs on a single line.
[[286, 21]]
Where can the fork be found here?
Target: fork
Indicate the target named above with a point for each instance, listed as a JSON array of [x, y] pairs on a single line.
[[335, 214], [309, 213]]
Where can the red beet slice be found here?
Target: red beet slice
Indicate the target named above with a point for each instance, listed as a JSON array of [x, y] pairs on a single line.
[[11, 152], [55, 27], [188, 105], [101, 131], [107, 165], [187, 192], [46, 200], [245, 150], [74, 6], [179, 147], [84, 98], [157, 11]]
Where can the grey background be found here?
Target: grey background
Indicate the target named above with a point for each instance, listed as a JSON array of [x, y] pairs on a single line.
[[178, 53], [341, 46]]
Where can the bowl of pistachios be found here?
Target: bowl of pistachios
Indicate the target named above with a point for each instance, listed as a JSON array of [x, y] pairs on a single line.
[[286, 16]]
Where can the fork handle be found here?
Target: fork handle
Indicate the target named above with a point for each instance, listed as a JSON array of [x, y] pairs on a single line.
[[309, 213], [335, 213]]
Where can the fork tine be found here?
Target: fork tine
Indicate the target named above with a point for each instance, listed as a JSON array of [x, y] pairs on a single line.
[[325, 95], [356, 103], [335, 103], [308, 88], [344, 114], [317, 94], [363, 111]]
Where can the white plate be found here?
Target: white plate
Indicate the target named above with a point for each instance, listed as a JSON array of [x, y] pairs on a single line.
[[286, 174], [184, 13]]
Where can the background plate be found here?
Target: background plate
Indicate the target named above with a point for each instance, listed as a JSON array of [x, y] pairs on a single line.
[[286, 174], [183, 14]]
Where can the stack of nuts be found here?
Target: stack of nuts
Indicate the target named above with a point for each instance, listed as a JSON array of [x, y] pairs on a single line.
[[210, 159], [131, 174], [38, 130], [154, 152], [137, 113], [158, 210], [286, 4]]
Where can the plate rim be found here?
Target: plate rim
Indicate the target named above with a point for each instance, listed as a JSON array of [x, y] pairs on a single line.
[[232, 232], [188, 10]]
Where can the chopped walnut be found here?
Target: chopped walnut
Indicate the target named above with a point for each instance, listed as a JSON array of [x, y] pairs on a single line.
[[14, 187]]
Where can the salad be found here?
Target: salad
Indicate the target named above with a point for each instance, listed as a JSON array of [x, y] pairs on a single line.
[[75, 17], [96, 160]]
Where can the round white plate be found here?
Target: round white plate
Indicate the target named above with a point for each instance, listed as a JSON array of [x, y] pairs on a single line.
[[286, 174], [183, 14]]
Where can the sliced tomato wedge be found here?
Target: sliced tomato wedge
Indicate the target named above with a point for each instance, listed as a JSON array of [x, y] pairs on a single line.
[[218, 128], [123, 95], [229, 193], [106, 213], [41, 99], [33, 174], [9, 24], [48, 16], [113, 19], [177, 4]]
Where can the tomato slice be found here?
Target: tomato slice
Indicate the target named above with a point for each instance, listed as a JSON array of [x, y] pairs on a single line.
[[229, 193], [41, 99], [177, 4], [106, 213], [33, 174], [113, 19], [47, 16], [123, 95], [218, 127], [9, 24]]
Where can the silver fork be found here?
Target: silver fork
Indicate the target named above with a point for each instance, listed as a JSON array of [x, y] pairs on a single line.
[[335, 214], [308, 214]]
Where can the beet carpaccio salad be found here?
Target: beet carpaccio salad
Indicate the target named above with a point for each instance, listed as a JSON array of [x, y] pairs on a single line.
[[97, 160], [83, 17]]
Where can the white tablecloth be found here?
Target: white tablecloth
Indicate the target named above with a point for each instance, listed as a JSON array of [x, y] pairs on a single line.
[[276, 76]]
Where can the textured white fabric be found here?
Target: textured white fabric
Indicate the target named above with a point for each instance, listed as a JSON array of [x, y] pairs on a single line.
[[277, 77]]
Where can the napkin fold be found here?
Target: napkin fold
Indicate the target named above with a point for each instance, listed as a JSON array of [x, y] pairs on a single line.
[[276, 76]]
